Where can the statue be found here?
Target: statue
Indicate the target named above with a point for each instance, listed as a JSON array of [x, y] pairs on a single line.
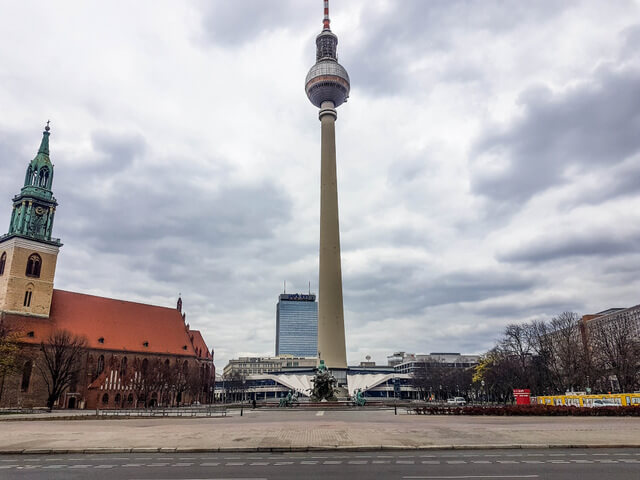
[[358, 398], [289, 400], [323, 384]]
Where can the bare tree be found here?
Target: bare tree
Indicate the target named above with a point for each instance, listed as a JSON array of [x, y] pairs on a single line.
[[562, 360], [9, 349], [616, 351], [60, 363], [516, 345]]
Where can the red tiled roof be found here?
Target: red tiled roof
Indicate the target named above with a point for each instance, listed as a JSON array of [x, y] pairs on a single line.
[[199, 344], [122, 325]]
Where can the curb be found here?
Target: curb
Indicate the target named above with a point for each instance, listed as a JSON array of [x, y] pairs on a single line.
[[307, 448]]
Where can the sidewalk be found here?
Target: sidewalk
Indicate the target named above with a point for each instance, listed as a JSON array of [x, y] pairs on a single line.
[[286, 430]]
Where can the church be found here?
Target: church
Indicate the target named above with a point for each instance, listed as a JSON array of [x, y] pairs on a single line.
[[132, 354]]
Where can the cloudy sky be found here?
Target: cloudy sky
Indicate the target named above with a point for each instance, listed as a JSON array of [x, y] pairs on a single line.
[[488, 159]]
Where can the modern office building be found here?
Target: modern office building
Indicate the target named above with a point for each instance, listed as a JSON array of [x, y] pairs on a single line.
[[297, 325], [403, 362], [245, 366]]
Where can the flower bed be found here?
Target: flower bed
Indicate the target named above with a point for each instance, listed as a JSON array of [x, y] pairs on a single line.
[[515, 410]]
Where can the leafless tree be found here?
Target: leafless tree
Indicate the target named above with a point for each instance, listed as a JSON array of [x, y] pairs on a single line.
[[60, 363], [561, 352], [9, 349], [616, 351]]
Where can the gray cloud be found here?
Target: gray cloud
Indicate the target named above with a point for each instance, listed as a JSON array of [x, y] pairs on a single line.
[[228, 24], [594, 123], [393, 38], [394, 290], [589, 244]]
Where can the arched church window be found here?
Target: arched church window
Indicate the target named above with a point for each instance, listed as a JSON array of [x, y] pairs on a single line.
[[33, 266], [100, 368], [34, 177], [26, 375], [105, 398], [145, 365], [27, 179], [3, 261], [27, 297], [43, 177], [123, 367]]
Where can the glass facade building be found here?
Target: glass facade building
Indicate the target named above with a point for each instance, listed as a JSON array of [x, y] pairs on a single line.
[[297, 325]]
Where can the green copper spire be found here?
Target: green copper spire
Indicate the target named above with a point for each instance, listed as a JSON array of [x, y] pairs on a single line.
[[44, 144], [34, 207]]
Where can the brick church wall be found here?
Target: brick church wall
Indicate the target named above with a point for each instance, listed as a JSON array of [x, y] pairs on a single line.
[[91, 386]]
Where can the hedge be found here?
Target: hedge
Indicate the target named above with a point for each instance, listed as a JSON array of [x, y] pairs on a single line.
[[533, 410]]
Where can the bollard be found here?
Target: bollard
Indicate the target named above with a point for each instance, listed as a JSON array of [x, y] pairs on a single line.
[[395, 410], [240, 411]]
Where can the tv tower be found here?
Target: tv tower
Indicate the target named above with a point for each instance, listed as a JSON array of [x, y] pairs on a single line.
[[327, 86]]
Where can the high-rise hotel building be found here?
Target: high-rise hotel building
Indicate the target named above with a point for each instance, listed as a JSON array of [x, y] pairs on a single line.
[[297, 325]]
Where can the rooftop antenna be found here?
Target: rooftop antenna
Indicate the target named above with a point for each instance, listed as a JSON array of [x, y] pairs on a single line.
[[285, 287], [326, 20], [309, 287]]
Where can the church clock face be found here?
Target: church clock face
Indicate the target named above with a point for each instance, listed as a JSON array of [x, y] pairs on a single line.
[[40, 210]]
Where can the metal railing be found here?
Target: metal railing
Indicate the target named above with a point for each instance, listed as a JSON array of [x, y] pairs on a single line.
[[165, 412]]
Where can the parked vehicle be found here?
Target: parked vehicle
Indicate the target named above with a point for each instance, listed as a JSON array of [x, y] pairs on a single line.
[[459, 401]]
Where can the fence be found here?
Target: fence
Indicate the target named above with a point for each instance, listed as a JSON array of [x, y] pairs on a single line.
[[165, 412]]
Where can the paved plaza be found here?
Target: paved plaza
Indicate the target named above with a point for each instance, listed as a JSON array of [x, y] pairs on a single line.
[[264, 430]]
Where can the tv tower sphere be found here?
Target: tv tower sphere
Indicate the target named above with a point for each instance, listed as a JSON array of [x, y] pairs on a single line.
[[327, 81]]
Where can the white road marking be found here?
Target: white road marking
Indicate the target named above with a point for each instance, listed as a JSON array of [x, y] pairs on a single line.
[[358, 462], [309, 462], [332, 462], [209, 464], [480, 476], [320, 413], [262, 464], [234, 464]]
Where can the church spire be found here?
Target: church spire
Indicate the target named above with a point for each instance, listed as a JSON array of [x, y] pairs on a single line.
[[34, 207], [44, 144]]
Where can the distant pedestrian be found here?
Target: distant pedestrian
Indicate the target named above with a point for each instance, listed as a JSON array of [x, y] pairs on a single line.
[[253, 402]]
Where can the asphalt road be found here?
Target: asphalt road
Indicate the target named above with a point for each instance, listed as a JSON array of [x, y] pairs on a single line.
[[582, 464]]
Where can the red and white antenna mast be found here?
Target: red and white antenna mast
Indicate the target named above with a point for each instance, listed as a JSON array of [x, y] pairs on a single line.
[[326, 20]]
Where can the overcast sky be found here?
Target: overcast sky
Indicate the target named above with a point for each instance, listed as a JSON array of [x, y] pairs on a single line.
[[488, 159]]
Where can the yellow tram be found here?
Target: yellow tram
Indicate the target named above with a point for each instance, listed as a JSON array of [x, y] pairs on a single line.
[[584, 400]]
